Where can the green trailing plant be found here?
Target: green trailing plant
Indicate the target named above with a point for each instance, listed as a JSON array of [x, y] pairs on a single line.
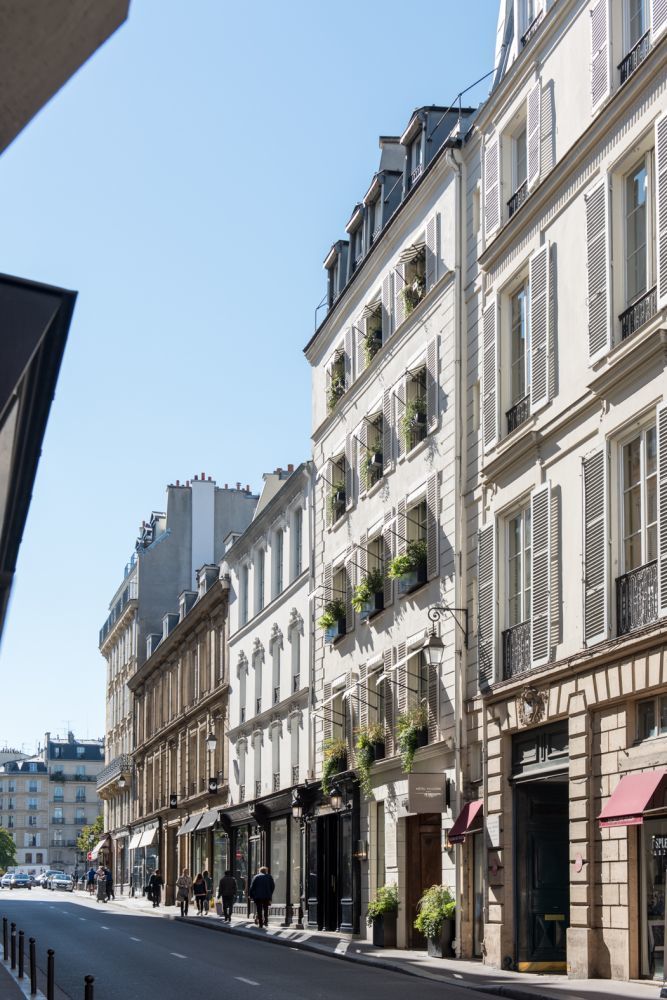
[[371, 344], [338, 487], [371, 584], [369, 737], [334, 760], [413, 292], [414, 408], [409, 561], [386, 901], [337, 383], [409, 727], [436, 905], [332, 613]]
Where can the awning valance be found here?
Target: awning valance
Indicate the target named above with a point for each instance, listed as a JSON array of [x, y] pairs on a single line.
[[101, 845], [135, 840], [190, 825], [631, 798], [148, 837], [411, 252], [371, 310], [209, 819], [468, 821]]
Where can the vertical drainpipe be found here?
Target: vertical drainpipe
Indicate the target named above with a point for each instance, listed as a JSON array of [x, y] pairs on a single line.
[[311, 622]]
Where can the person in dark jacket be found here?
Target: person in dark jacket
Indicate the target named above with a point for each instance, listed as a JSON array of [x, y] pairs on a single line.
[[110, 892], [90, 881], [261, 892], [199, 892], [209, 890], [155, 884], [227, 893]]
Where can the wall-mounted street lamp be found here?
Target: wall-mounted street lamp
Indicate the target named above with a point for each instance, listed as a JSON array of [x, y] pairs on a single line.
[[122, 781], [336, 798], [297, 805], [433, 649], [437, 611], [211, 742]]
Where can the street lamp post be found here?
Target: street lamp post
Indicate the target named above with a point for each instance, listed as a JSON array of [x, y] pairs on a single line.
[[211, 744]]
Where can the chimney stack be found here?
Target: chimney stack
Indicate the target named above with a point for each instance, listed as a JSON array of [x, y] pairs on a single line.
[[290, 467]]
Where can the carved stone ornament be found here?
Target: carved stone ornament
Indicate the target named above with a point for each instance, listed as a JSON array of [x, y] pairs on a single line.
[[531, 705]]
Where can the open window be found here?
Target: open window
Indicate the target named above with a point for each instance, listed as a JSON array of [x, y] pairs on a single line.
[[372, 460], [337, 488], [413, 420], [411, 279], [335, 378], [372, 332]]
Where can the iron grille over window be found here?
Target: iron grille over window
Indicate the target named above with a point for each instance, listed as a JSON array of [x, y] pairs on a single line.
[[639, 313], [635, 57], [517, 199], [516, 650], [637, 598], [518, 414]]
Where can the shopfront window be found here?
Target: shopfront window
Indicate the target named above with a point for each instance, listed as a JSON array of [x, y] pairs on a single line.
[[295, 863], [220, 856], [654, 873], [240, 866], [278, 862]]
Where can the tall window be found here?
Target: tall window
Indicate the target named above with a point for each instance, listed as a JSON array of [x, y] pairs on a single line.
[[520, 351], [636, 22], [640, 500], [295, 645], [518, 568], [416, 158], [520, 159], [257, 666], [637, 231], [275, 680], [278, 546], [260, 563], [243, 596], [297, 528], [258, 766], [242, 693]]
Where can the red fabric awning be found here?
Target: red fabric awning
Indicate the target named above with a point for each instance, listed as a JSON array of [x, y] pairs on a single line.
[[631, 798], [468, 820]]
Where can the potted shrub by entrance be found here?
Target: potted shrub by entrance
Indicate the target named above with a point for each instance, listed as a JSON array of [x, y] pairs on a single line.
[[382, 913], [409, 568], [412, 733], [369, 748], [368, 595], [332, 620], [435, 920]]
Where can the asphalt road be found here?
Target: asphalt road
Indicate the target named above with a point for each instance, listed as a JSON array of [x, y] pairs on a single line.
[[146, 957]]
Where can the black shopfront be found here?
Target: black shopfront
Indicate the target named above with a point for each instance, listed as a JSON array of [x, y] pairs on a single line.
[[333, 853]]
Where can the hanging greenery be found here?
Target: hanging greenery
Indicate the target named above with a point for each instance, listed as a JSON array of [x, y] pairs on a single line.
[[334, 503], [332, 613], [414, 409], [334, 754], [409, 727], [409, 561], [368, 738], [413, 292], [372, 343], [368, 586]]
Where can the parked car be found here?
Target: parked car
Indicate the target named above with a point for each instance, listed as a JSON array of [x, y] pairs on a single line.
[[5, 881], [20, 881], [61, 881], [43, 877]]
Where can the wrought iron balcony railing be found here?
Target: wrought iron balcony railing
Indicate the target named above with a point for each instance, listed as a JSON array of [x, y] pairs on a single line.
[[517, 199], [518, 414], [635, 57], [637, 598], [276, 781], [532, 29], [258, 788], [416, 174], [516, 650], [242, 793], [639, 313], [130, 593], [295, 774]]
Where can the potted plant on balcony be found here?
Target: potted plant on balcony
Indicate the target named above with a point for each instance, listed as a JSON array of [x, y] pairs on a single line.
[[369, 748], [382, 913], [435, 920], [368, 595], [411, 733], [372, 343], [413, 292], [332, 619], [414, 418], [336, 386], [409, 568], [337, 500], [334, 761]]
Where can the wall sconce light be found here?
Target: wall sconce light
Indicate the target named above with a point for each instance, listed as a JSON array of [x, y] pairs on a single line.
[[336, 798]]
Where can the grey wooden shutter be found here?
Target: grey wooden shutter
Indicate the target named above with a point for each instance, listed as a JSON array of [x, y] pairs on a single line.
[[327, 486], [359, 333], [597, 242], [362, 691], [486, 606], [661, 421], [399, 285], [432, 702], [349, 348], [327, 714], [387, 555], [327, 584], [402, 677], [491, 187], [431, 253], [349, 471], [389, 702], [401, 533], [432, 526], [387, 432], [362, 554], [538, 304], [540, 588], [349, 587], [658, 18], [661, 203], [386, 308], [547, 112], [351, 708], [362, 456], [533, 133], [490, 375], [432, 384], [399, 393], [600, 62], [596, 613]]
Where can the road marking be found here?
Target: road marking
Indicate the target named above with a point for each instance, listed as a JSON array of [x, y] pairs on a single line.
[[135, 939], [83, 918], [104, 928], [177, 955], [250, 982]]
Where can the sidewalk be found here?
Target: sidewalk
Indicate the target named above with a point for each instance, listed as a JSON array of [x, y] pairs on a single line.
[[474, 975]]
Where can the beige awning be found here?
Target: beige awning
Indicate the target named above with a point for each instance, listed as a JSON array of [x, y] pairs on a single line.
[[411, 252], [148, 837], [102, 845], [135, 840]]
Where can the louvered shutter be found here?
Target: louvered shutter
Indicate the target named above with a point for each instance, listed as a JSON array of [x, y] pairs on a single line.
[[389, 702], [399, 394], [362, 554], [401, 532], [351, 710], [387, 555], [432, 526], [491, 187], [327, 714], [349, 587], [661, 421], [432, 702], [595, 549], [327, 584], [432, 384], [349, 471], [360, 333], [597, 241], [658, 18], [362, 701], [402, 684], [349, 348], [547, 155], [387, 432], [486, 607], [661, 204], [490, 375], [327, 488], [538, 324], [540, 584], [399, 304], [386, 308], [431, 253], [533, 133], [600, 63], [362, 456]]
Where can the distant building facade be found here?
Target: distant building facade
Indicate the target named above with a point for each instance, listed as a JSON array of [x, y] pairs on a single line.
[[24, 809]]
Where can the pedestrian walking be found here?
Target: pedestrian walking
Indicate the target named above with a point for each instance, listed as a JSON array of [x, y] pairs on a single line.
[[227, 891], [90, 880], [209, 890], [261, 892], [199, 891], [155, 884], [184, 891], [101, 883], [109, 878]]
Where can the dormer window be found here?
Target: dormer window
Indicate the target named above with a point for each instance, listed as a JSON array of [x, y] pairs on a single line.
[[374, 220], [416, 158], [357, 244], [336, 268]]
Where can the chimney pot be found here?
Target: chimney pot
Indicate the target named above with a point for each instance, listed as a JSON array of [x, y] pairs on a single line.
[[178, 482], [210, 478], [203, 475], [247, 489], [238, 486], [290, 467], [226, 486]]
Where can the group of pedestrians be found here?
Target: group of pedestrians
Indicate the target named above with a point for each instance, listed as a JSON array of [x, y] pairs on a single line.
[[261, 892], [102, 881]]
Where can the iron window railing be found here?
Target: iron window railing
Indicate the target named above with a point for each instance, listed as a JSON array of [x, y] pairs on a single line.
[[517, 199], [258, 788], [637, 598], [532, 29], [241, 792], [518, 414], [276, 780], [635, 57], [639, 313], [516, 650], [295, 774]]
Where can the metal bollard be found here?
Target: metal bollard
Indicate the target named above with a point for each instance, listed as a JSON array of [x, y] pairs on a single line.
[[5, 939], [50, 986], [13, 944], [89, 993], [33, 968], [21, 953]]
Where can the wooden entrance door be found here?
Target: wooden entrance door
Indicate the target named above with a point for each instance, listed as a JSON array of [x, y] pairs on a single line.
[[424, 867]]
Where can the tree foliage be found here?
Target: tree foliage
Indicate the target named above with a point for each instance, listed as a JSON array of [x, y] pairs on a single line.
[[7, 850], [90, 835]]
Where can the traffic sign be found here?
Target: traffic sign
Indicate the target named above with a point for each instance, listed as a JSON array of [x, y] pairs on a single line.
[[90, 855]]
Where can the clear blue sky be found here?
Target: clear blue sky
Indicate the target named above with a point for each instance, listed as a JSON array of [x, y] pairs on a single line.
[[188, 182]]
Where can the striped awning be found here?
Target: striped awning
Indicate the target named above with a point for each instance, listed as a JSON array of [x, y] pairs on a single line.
[[411, 252]]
